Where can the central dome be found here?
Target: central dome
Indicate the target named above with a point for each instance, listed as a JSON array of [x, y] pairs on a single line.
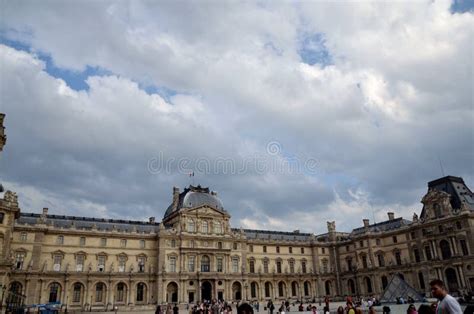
[[192, 197]]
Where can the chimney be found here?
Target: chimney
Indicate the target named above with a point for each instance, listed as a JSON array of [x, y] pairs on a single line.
[[45, 211], [151, 220], [391, 216], [366, 223]]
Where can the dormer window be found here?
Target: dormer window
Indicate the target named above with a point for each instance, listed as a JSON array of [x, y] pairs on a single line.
[[437, 211]]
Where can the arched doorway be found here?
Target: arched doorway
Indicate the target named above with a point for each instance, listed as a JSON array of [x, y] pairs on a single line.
[[384, 282], [351, 285], [268, 289], [172, 292], [368, 284], [294, 289], [54, 292], [281, 289], [254, 290], [14, 299], [328, 287], [141, 292], [206, 291], [452, 279], [445, 249], [307, 288], [237, 290]]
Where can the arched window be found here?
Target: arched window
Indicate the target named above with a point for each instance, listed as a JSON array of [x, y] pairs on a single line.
[[351, 285], [253, 290], [15, 292], [368, 284], [217, 227], [307, 287], [328, 287], [281, 289], [99, 292], [268, 290], [191, 226], [421, 279], [205, 226], [205, 263], [54, 290], [445, 249], [120, 294], [77, 293], [141, 288], [294, 289]]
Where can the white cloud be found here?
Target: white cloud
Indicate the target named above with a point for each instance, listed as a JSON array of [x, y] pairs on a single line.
[[396, 96]]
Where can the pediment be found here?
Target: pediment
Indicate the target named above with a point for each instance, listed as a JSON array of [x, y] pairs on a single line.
[[206, 211]]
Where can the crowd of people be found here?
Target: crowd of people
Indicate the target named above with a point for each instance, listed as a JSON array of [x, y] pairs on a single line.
[[446, 304]]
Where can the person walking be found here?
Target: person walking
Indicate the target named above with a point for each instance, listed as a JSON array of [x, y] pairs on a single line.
[[446, 304]]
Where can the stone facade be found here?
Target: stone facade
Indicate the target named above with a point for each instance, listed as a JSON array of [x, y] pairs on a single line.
[[193, 253]]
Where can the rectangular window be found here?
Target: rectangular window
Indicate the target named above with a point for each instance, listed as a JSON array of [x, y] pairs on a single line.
[[251, 248], [60, 240], [80, 262], [57, 262], [347, 248], [292, 267], [349, 264], [361, 243], [325, 266], [323, 250], [364, 261], [173, 243], [101, 263], [172, 264], [394, 239], [303, 267], [428, 253], [252, 267], [265, 266], [141, 264], [82, 241], [123, 243], [381, 260], [219, 265], [416, 253], [264, 249], [219, 245], [398, 258], [191, 262], [23, 236], [413, 235], [122, 263], [142, 244], [235, 265], [235, 245], [278, 249], [290, 250], [377, 241], [103, 242], [464, 249], [20, 258], [279, 267]]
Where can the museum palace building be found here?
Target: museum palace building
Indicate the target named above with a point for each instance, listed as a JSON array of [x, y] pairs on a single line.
[[193, 253]]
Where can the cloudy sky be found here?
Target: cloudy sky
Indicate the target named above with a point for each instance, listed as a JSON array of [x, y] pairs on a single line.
[[294, 112]]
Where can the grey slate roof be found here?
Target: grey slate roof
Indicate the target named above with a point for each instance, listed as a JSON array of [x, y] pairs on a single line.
[[456, 187], [387, 225], [195, 196], [274, 235], [67, 222]]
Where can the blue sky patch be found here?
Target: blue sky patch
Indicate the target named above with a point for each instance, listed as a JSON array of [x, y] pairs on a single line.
[[74, 79], [313, 50], [461, 6]]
